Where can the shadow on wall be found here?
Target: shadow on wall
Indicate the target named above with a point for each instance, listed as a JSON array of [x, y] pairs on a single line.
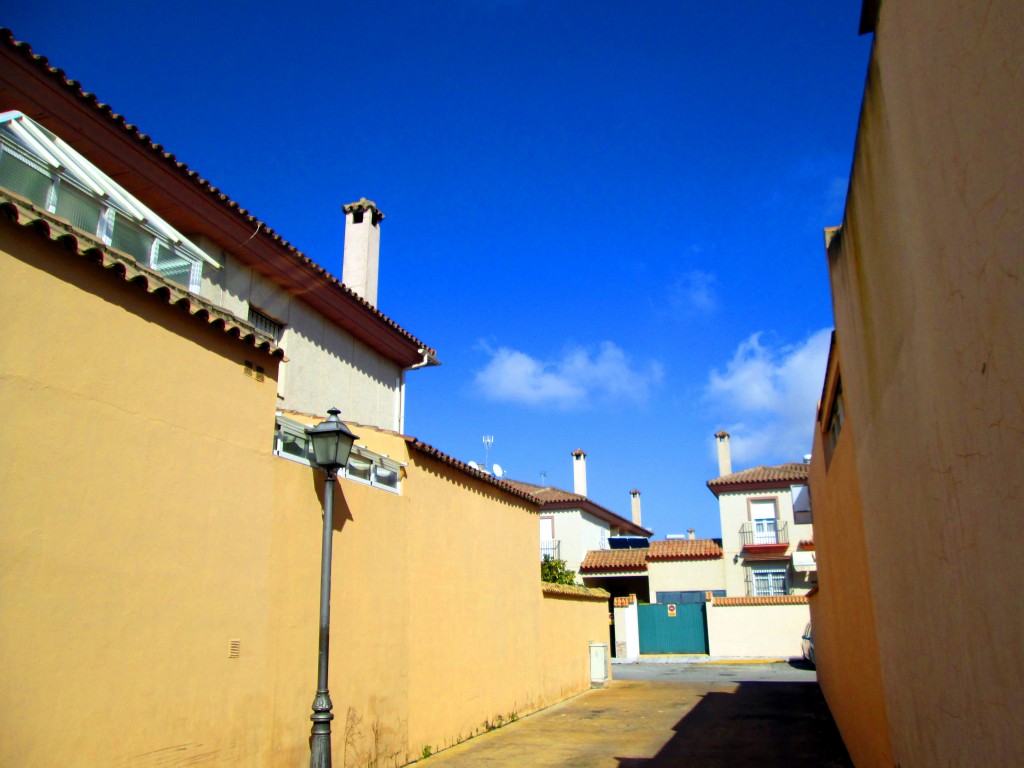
[[760, 725]]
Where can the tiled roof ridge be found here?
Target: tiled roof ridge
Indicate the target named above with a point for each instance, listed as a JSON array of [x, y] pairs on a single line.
[[785, 472], [451, 461], [574, 590], [684, 549], [614, 560], [74, 86], [547, 495], [732, 602], [55, 229]]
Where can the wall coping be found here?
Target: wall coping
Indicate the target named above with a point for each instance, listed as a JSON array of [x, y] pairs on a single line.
[[565, 590], [728, 602]]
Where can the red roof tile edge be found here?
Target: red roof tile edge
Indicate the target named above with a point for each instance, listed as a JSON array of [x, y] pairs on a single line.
[[7, 38], [728, 602], [624, 602], [444, 458], [47, 225], [576, 591]]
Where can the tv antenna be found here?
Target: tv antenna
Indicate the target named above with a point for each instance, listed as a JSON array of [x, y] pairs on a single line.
[[488, 442], [543, 477]]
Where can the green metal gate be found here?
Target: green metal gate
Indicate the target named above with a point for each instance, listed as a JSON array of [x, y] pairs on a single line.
[[673, 628]]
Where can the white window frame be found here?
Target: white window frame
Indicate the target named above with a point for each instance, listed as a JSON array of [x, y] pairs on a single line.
[[769, 573], [34, 145], [379, 464]]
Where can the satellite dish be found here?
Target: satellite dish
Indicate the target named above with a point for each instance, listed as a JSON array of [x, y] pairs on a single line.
[[474, 465], [498, 471]]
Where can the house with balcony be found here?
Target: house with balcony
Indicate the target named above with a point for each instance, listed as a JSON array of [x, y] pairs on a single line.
[[571, 524], [767, 535]]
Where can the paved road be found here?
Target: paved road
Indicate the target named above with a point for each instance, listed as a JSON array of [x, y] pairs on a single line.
[[712, 716]]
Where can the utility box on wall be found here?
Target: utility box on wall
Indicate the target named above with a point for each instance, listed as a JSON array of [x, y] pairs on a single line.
[[599, 665]]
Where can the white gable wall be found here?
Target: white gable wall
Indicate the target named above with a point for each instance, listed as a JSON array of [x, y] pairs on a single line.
[[327, 367]]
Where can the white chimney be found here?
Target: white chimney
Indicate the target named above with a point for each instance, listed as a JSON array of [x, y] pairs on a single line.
[[634, 497], [724, 457], [692, 534], [362, 248], [579, 471]]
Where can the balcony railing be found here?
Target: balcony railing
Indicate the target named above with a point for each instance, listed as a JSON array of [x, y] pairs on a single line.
[[765, 534], [550, 548]]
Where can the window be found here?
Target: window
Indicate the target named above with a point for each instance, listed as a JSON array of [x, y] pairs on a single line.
[[767, 581], [834, 424], [364, 466], [38, 166], [265, 323]]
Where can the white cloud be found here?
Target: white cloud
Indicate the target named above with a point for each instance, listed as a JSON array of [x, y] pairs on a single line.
[[694, 292], [575, 380], [770, 394]]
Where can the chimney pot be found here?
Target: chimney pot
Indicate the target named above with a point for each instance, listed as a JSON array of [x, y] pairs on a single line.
[[361, 263], [692, 533], [579, 472], [724, 455]]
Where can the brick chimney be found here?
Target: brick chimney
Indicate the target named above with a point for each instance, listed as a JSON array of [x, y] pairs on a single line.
[[724, 456], [362, 248], [579, 472], [634, 497]]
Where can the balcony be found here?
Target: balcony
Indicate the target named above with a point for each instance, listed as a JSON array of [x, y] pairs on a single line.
[[765, 537], [550, 548]]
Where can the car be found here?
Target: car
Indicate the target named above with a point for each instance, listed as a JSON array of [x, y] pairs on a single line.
[[807, 645]]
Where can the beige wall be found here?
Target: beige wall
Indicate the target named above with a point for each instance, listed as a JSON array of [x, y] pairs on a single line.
[[845, 639], [766, 631], [326, 365], [146, 525], [926, 282], [685, 575], [734, 512], [577, 533]]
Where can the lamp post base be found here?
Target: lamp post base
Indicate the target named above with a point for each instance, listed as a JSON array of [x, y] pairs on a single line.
[[320, 741]]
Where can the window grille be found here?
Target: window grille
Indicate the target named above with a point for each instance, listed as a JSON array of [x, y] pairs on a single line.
[[265, 323], [767, 582]]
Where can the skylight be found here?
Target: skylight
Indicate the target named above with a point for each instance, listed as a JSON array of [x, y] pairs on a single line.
[[40, 167]]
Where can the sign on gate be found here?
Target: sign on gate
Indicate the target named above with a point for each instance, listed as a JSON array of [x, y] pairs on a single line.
[[672, 610]]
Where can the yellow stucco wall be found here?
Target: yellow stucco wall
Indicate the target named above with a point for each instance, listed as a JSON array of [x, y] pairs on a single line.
[[131, 522], [926, 280], [845, 639], [146, 525]]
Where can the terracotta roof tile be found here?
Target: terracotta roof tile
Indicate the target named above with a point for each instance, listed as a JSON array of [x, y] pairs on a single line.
[[807, 545], [567, 590], [444, 458], [614, 560], [726, 602], [624, 602], [547, 495], [81, 244], [606, 560], [781, 475], [73, 87], [685, 549]]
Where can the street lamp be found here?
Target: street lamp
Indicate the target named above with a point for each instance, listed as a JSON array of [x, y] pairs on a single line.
[[332, 443]]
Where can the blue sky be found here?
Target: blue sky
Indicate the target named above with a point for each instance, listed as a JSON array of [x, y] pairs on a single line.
[[606, 219]]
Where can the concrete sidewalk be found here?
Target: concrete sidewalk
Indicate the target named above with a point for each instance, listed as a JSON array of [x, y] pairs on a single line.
[[648, 724]]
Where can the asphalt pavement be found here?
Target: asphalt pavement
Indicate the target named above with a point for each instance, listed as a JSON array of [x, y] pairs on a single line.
[[659, 715]]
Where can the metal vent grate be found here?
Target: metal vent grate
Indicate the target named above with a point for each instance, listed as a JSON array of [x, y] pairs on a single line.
[[234, 649]]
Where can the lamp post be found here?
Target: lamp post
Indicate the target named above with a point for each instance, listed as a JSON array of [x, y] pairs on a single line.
[[332, 443]]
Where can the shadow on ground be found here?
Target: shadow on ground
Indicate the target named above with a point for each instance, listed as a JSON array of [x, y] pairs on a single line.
[[760, 725]]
